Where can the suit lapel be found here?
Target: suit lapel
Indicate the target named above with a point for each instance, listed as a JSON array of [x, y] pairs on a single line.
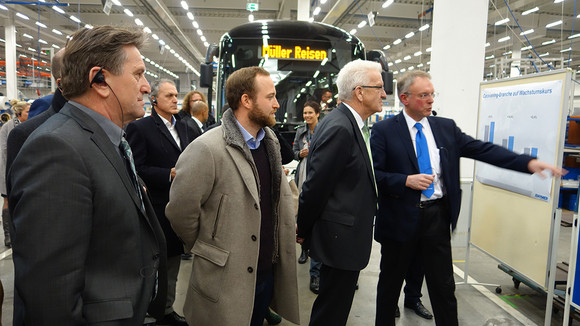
[[102, 141], [184, 138], [359, 140], [405, 137]]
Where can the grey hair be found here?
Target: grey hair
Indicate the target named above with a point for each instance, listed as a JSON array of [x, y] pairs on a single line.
[[156, 84], [407, 79], [353, 74]]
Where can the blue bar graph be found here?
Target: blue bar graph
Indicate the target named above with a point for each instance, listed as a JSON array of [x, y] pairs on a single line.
[[511, 143], [491, 128], [534, 153]]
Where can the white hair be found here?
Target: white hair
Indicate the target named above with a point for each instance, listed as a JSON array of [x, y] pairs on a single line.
[[353, 74]]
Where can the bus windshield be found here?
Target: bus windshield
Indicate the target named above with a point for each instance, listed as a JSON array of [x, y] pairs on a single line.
[[300, 56]]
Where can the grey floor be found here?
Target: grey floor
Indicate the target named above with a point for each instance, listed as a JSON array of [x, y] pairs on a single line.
[[478, 305]]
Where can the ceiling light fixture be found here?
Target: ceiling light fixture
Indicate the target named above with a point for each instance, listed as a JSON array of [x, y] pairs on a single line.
[[3, 7], [138, 22], [503, 21], [544, 54], [89, 26], [418, 53], [487, 44], [23, 16], [407, 57], [386, 47], [410, 35], [549, 42], [42, 41], [398, 61], [189, 15], [490, 57], [566, 50], [503, 39], [388, 3], [362, 24], [154, 36], [58, 9], [56, 31], [428, 49], [56, 46], [316, 11], [353, 31], [529, 31], [128, 12], [397, 41], [184, 5], [74, 19], [574, 36], [28, 36], [529, 11], [40, 24], [424, 27], [147, 30], [117, 2], [556, 23], [199, 32], [251, 17], [195, 24], [558, 1]]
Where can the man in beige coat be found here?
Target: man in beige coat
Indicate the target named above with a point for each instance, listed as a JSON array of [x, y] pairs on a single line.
[[232, 207]]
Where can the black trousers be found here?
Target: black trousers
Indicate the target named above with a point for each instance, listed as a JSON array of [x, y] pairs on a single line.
[[414, 281], [332, 306], [432, 244]]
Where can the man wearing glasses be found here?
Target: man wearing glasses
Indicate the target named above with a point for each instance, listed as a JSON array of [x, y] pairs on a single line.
[[339, 200], [416, 164]]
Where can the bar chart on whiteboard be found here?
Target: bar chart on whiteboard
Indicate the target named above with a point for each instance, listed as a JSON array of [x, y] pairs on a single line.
[[524, 119]]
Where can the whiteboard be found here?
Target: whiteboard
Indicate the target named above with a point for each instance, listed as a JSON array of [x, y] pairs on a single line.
[[516, 227]]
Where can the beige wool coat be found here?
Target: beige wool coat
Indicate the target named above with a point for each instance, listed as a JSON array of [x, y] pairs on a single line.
[[214, 208]]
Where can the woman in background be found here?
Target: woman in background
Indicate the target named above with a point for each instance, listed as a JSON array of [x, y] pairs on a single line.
[[20, 110]]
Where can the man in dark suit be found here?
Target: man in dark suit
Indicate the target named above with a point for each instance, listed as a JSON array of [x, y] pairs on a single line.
[[157, 141], [416, 160], [87, 246], [338, 200]]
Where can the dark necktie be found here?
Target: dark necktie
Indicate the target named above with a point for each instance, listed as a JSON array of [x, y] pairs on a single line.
[[128, 156], [423, 158]]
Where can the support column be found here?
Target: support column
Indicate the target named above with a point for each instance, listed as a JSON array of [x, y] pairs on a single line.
[[457, 62], [303, 10], [10, 36]]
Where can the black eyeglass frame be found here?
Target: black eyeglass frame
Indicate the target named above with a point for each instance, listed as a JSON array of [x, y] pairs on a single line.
[[368, 86]]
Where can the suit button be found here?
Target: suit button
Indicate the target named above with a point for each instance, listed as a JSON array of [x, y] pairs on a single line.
[[254, 238], [155, 256], [255, 206], [250, 270]]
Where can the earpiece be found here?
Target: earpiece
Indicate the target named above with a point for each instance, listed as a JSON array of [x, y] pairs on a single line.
[[153, 100], [99, 78]]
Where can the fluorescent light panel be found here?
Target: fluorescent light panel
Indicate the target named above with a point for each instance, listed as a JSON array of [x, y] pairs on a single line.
[[529, 11], [556, 23], [503, 21]]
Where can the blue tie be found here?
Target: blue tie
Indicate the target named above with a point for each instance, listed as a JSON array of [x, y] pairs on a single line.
[[423, 158]]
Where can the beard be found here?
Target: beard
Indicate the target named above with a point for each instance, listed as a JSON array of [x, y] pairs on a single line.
[[260, 118]]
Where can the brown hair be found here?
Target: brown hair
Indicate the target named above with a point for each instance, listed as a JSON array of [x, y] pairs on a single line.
[[185, 106], [101, 46], [406, 80], [242, 82], [313, 105]]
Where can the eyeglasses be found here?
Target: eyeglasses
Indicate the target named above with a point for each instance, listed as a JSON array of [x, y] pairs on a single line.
[[367, 86], [423, 96]]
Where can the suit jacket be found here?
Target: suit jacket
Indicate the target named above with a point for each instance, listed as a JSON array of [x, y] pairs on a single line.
[[84, 250], [40, 105], [338, 200], [186, 117], [155, 153], [394, 159]]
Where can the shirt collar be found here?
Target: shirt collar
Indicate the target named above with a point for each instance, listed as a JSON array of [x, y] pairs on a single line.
[[411, 122], [109, 127], [167, 123], [357, 117], [199, 124], [252, 142]]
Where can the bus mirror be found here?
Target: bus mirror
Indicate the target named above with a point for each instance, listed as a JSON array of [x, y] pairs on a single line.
[[206, 75], [212, 51], [388, 81]]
